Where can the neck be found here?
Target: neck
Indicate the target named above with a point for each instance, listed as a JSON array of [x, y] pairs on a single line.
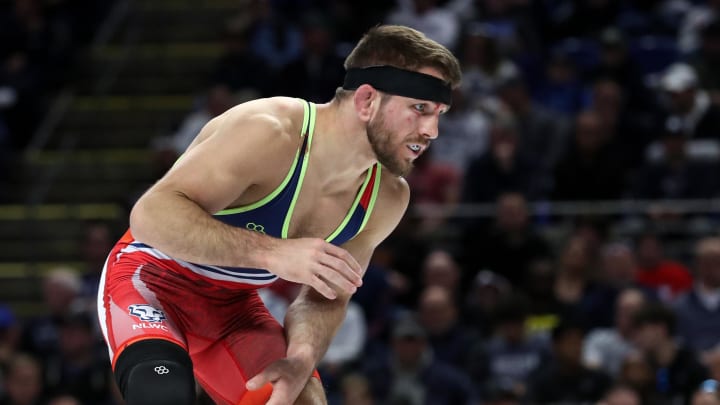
[[341, 137]]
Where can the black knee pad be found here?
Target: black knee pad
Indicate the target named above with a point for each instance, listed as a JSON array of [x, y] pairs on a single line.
[[155, 372]]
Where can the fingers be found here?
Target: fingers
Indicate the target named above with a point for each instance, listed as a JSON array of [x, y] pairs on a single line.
[[337, 272], [258, 381], [280, 395], [355, 270], [323, 288]]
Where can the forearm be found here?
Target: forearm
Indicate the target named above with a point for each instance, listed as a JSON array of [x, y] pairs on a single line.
[[311, 323], [180, 228]]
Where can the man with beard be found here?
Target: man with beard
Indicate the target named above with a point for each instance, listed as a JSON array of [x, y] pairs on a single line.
[[273, 188]]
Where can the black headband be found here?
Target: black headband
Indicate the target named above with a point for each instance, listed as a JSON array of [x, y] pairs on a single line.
[[401, 82]]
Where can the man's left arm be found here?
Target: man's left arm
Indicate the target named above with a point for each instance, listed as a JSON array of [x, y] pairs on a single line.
[[312, 320]]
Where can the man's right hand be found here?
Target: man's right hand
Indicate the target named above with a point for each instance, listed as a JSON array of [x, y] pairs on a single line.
[[314, 262]]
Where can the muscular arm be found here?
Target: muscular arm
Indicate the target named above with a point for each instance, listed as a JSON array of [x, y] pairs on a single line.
[[175, 214], [312, 320]]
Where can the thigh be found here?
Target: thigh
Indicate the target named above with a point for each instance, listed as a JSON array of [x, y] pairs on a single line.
[[249, 341], [128, 310]]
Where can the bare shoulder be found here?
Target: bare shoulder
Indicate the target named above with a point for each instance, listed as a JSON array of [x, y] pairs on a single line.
[[392, 202], [272, 122]]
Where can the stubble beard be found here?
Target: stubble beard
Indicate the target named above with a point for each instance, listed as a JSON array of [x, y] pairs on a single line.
[[381, 142]]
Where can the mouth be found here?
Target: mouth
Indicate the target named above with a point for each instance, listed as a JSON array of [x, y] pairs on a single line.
[[416, 149]]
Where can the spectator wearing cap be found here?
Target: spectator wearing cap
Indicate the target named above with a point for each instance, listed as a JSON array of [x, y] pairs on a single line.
[[698, 311], [411, 375], [676, 170], [62, 287], [689, 103]]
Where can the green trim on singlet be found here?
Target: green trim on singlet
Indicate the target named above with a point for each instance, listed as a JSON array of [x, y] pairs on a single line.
[[352, 208], [278, 189], [371, 204], [311, 130]]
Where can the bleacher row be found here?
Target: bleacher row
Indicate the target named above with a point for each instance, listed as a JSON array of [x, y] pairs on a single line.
[[97, 155]]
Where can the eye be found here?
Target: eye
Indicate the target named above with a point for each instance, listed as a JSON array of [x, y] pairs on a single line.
[[420, 107]]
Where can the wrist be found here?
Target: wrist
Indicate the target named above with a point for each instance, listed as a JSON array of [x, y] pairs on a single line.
[[303, 353]]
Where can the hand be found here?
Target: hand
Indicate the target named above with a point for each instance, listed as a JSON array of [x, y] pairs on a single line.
[[288, 377], [314, 262]]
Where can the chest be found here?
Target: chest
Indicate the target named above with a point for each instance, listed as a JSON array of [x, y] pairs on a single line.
[[319, 213]]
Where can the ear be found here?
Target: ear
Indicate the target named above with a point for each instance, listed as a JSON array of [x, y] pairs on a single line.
[[364, 98]]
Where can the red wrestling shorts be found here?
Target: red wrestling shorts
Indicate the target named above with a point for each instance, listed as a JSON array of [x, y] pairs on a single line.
[[228, 332]]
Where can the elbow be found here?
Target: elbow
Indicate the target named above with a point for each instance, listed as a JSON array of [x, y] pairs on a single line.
[[140, 221]]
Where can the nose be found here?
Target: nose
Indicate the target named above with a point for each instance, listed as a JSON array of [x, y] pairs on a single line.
[[429, 127]]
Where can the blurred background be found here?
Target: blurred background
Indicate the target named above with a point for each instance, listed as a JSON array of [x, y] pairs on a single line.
[[562, 244]]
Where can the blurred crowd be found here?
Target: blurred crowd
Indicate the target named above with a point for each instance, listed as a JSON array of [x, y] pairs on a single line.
[[561, 100]]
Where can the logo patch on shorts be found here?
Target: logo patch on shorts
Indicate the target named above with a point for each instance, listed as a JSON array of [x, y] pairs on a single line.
[[146, 313]]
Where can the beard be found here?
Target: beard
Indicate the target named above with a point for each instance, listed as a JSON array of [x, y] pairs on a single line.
[[381, 142]]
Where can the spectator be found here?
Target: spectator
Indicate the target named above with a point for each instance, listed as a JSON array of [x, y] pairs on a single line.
[[23, 381], [483, 63], [617, 272], [504, 167], [707, 394], [565, 378], [79, 367], [239, 68], [706, 60], [465, 132], [711, 359], [676, 368], [315, 72], [64, 400], [430, 18], [690, 104], [441, 269], [411, 375], [637, 374], [510, 246], [216, 100], [698, 311], [589, 170], [561, 89], [96, 241], [542, 133], [485, 292], [672, 171], [573, 280], [274, 38], [447, 336], [510, 355], [606, 348], [61, 294], [667, 277]]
